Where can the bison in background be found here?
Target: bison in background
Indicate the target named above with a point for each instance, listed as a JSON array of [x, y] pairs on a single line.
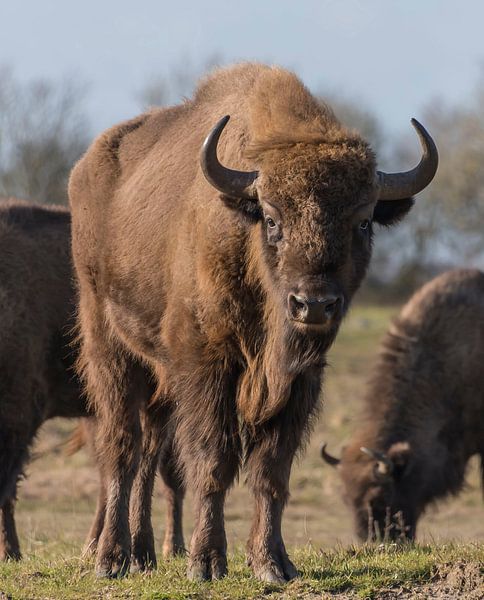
[[424, 410], [37, 379], [214, 293]]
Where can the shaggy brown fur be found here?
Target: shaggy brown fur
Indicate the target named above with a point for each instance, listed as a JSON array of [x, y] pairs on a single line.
[[37, 381], [424, 408], [187, 291]]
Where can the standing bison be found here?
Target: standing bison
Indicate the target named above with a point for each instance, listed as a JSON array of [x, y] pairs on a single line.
[[424, 409], [37, 379], [215, 292]]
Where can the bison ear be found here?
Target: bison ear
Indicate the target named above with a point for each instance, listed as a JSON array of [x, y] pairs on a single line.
[[390, 212], [400, 454], [248, 209]]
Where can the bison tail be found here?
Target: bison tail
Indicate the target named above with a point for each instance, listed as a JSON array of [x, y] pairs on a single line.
[[76, 440]]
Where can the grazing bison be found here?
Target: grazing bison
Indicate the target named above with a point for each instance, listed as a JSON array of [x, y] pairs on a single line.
[[37, 381], [424, 409], [215, 291]]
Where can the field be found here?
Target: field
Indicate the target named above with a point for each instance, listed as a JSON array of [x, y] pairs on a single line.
[[57, 500]]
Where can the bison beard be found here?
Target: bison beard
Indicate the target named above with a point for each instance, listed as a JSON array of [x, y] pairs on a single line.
[[225, 305]]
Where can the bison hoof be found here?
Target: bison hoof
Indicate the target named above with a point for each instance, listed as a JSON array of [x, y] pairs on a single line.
[[90, 548], [141, 562], [207, 566], [276, 568], [10, 554], [112, 566]]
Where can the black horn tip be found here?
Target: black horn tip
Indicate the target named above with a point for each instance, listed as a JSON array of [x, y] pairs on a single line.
[[419, 128], [215, 133], [220, 124], [328, 458]]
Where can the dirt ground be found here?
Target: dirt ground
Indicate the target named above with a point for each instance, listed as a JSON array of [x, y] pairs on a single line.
[[57, 498]]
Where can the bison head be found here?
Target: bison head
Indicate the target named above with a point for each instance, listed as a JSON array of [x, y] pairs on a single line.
[[315, 204], [382, 488]]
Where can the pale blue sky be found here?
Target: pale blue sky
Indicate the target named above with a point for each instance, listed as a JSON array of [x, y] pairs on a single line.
[[394, 55]]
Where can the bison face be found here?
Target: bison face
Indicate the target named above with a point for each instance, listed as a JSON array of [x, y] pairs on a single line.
[[316, 233], [314, 203], [382, 489]]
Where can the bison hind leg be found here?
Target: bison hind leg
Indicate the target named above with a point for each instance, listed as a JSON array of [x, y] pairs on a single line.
[[143, 557], [9, 544], [174, 493], [14, 453]]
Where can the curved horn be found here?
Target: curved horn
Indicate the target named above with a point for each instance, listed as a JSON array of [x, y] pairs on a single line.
[[397, 186], [330, 460], [237, 184], [384, 464]]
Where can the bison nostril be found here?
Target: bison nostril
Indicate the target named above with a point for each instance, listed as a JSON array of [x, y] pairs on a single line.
[[298, 307], [314, 311], [332, 306]]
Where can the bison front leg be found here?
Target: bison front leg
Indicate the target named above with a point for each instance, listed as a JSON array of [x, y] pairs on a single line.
[[207, 434], [174, 493], [270, 451], [9, 544], [92, 539], [268, 476]]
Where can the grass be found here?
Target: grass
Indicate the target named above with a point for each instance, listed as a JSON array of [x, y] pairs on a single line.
[[362, 572], [56, 504]]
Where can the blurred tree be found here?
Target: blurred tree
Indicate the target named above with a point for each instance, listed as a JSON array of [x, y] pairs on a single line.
[[447, 228], [456, 197], [43, 131]]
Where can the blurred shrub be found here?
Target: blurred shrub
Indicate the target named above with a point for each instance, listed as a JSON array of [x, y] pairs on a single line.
[[43, 131]]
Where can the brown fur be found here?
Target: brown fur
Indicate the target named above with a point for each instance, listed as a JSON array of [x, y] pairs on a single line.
[[424, 407], [37, 381], [183, 289]]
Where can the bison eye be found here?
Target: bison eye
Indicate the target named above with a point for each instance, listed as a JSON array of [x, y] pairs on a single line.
[[364, 225], [274, 233]]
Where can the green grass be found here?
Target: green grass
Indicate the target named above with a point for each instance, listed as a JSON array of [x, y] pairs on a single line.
[[56, 504], [362, 571]]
